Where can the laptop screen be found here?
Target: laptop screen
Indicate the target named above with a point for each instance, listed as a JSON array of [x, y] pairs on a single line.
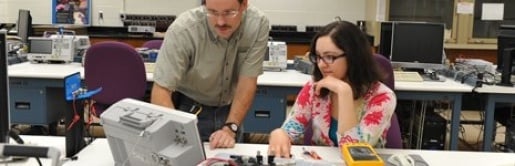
[[72, 88], [71, 85]]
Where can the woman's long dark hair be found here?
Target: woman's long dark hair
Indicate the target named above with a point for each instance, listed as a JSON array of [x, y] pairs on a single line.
[[362, 70]]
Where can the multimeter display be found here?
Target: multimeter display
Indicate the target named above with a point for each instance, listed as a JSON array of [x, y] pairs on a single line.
[[362, 153]]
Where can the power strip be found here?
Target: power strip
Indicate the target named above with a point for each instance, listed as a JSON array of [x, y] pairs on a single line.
[[141, 29]]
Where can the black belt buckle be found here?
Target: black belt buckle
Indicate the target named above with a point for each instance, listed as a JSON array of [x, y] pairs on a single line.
[[196, 109]]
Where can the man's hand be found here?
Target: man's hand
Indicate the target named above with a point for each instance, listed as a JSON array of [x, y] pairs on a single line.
[[222, 138]]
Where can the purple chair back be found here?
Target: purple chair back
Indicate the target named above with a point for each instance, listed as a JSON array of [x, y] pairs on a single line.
[[153, 44], [386, 66], [118, 69], [393, 138]]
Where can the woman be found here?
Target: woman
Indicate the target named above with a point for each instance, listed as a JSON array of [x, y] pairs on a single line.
[[345, 101]]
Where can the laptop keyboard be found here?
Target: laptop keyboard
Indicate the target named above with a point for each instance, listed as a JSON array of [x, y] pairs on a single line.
[[407, 76]]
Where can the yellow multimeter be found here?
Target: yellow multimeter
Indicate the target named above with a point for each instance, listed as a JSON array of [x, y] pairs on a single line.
[[360, 154]]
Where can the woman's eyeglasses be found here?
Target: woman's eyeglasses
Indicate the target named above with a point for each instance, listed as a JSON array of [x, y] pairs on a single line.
[[328, 59]]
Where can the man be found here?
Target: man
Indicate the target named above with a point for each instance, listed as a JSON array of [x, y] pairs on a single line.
[[208, 65]]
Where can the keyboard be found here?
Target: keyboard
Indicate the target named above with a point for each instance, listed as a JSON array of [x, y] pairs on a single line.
[[407, 76], [149, 67]]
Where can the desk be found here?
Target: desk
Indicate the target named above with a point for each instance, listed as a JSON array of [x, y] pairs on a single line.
[[37, 95], [36, 91], [494, 94], [448, 90], [268, 106], [98, 153], [50, 141]]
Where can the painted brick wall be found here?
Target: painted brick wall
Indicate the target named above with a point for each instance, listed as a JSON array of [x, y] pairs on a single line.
[[280, 12]]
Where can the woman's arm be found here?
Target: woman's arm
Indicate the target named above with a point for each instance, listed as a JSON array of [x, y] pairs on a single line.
[[293, 127], [374, 119]]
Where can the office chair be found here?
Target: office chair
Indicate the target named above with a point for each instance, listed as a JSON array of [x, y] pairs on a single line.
[[153, 44], [118, 69], [393, 138]]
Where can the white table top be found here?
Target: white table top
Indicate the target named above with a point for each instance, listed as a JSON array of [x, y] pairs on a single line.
[[98, 153], [59, 71], [43, 70], [50, 71], [495, 89], [433, 158], [50, 141], [429, 86], [289, 78]]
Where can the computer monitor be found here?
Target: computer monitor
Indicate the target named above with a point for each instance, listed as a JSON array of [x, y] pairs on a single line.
[[141, 133], [505, 40], [4, 90], [24, 25], [417, 45], [506, 53], [385, 39]]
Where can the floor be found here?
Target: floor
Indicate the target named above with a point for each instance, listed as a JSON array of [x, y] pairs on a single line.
[[471, 136]]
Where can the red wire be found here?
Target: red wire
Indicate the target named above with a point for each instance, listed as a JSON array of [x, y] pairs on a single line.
[[91, 113], [94, 110], [76, 116]]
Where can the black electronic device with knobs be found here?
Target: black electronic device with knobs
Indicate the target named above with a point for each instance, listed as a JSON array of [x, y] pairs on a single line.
[[258, 160]]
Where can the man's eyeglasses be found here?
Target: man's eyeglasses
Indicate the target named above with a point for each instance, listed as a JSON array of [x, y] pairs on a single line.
[[225, 14], [328, 59]]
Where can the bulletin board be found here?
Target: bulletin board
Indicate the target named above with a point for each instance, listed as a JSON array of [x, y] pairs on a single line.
[[77, 12]]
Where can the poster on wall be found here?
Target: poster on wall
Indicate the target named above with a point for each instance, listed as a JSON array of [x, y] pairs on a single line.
[[77, 12]]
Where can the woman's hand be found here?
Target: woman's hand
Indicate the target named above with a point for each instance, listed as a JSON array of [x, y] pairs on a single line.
[[279, 144], [332, 84]]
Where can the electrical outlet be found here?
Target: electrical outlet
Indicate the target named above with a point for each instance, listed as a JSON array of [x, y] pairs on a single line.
[[100, 14]]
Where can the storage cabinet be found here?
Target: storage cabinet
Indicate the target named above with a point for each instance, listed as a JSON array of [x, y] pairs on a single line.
[[36, 101], [268, 110]]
